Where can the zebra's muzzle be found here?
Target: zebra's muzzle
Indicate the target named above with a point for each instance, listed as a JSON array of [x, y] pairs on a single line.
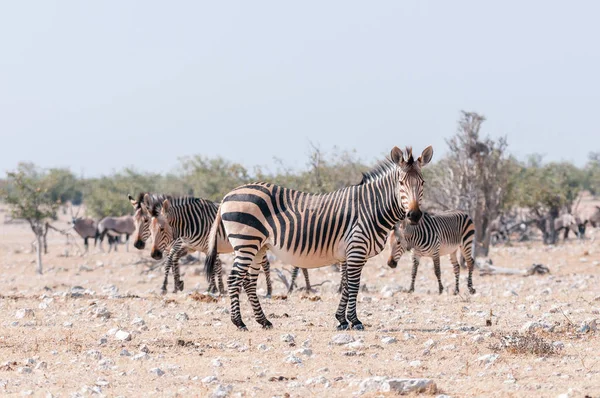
[[139, 244], [156, 254], [414, 216], [392, 263]]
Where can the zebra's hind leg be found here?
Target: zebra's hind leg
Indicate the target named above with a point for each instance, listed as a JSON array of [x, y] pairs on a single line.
[[456, 268], [239, 270], [163, 290], [250, 282], [176, 253], [340, 314], [467, 255], [438, 272], [266, 266], [414, 273], [343, 277], [353, 271], [293, 281], [219, 274], [308, 288]]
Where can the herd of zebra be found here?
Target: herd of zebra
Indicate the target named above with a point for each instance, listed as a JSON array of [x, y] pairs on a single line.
[[345, 227]]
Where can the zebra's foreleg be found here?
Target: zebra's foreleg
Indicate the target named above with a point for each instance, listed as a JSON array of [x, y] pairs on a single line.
[[266, 266], [176, 253], [293, 282], [456, 267], [354, 270], [343, 279], [438, 271], [414, 273], [340, 314]]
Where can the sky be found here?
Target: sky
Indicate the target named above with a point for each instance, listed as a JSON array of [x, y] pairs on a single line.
[[99, 86]]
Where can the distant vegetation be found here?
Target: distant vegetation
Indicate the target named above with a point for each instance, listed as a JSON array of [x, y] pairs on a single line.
[[476, 174]]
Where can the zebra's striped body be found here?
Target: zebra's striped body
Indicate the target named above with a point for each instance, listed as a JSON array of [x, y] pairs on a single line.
[[436, 235], [313, 230], [183, 225]]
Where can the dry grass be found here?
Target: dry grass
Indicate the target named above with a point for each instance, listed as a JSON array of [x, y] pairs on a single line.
[[436, 336]]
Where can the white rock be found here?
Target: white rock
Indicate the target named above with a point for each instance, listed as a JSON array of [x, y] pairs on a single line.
[[342, 338], [589, 325], [24, 313], [102, 383], [533, 326], [306, 343], [429, 343], [262, 347], [94, 354], [293, 359], [477, 338], [125, 353], [406, 386], [182, 317], [355, 345], [156, 371], [122, 335], [210, 380], [389, 290], [408, 336], [304, 351], [510, 293], [140, 357], [112, 331], [488, 359], [68, 324], [389, 340], [558, 345], [24, 370], [287, 338], [317, 380], [415, 364], [216, 363], [138, 322], [102, 312], [41, 366], [221, 391]]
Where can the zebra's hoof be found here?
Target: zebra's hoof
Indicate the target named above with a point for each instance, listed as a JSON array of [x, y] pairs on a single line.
[[456, 292], [472, 291], [163, 291], [242, 328], [358, 326], [343, 326], [441, 290], [268, 296], [411, 290], [267, 325]]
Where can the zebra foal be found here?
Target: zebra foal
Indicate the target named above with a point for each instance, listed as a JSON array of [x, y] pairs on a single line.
[[436, 235], [308, 230]]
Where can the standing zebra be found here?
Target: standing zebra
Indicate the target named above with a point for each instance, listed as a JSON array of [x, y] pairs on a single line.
[[436, 235], [307, 286], [307, 230], [183, 224]]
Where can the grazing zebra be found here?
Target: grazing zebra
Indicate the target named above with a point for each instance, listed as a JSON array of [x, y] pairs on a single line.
[[183, 225], [308, 230], [436, 235]]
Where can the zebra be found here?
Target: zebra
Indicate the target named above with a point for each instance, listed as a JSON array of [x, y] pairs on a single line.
[[146, 205], [308, 230], [307, 286], [436, 235], [183, 224]]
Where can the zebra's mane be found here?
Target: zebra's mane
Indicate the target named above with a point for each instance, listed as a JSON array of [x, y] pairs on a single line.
[[176, 201], [381, 169]]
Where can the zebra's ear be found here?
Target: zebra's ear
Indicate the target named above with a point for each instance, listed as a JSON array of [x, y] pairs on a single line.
[[425, 156], [396, 155], [166, 205], [133, 202], [147, 200]]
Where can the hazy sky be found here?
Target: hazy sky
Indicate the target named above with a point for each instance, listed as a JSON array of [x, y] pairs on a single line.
[[97, 86]]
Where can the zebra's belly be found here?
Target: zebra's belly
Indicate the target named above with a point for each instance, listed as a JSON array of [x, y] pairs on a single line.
[[447, 249], [312, 260]]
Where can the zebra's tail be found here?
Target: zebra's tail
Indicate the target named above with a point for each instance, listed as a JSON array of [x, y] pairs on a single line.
[[211, 256]]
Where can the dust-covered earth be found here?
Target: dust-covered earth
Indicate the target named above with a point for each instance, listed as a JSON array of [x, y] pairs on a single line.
[[97, 325]]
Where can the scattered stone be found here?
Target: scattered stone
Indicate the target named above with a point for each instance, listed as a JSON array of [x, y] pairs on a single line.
[[217, 363], [342, 338], [319, 380], [138, 322], [389, 340], [102, 341], [144, 348], [304, 351], [429, 343], [415, 364], [156, 371], [221, 391], [477, 338], [102, 383], [407, 386], [288, 338], [262, 347], [122, 335], [68, 324], [389, 290], [140, 357], [125, 353], [102, 312], [355, 345], [41, 366], [533, 326], [488, 359], [24, 313], [94, 354], [182, 317], [408, 336], [293, 360], [24, 370], [210, 380], [590, 325], [559, 345]]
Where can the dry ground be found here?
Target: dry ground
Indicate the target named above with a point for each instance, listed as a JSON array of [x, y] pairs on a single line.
[[438, 337]]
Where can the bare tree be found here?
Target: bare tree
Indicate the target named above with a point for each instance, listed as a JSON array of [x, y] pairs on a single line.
[[473, 177]]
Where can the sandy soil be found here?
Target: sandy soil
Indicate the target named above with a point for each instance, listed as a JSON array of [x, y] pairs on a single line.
[[66, 344]]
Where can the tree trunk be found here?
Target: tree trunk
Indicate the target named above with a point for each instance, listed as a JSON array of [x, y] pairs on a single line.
[[38, 249]]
